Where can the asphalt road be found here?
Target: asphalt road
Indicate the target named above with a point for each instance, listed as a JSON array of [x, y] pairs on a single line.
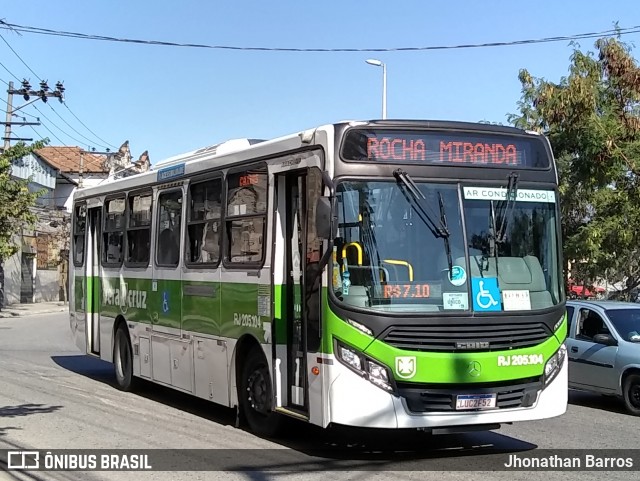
[[52, 397]]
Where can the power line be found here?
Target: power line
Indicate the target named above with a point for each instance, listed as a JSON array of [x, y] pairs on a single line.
[[61, 98], [61, 152], [97, 136], [85, 36], [10, 72], [19, 57], [71, 127], [56, 126]]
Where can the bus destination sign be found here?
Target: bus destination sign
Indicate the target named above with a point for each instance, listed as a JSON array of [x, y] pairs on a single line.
[[445, 148]]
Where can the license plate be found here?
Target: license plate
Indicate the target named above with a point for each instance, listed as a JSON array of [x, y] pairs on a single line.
[[475, 401]]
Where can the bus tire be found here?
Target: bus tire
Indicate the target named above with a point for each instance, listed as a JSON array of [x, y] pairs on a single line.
[[256, 394], [123, 360], [631, 393]]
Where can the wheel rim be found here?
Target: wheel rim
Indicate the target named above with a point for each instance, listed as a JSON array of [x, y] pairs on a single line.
[[123, 356], [258, 391], [634, 395]]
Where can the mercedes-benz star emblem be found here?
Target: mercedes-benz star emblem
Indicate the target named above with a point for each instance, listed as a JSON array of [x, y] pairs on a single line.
[[474, 369]]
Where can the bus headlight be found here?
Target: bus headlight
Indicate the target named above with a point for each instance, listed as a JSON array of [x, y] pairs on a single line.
[[350, 358], [379, 375], [367, 368], [554, 364]]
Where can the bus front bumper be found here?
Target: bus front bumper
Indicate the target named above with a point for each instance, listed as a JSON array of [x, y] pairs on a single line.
[[354, 401]]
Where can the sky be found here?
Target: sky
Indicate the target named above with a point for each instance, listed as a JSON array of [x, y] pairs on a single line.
[[170, 100]]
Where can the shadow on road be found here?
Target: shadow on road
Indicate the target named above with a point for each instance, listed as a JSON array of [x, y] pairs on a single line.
[[5, 429], [102, 371], [597, 401], [87, 366], [337, 447], [23, 410], [26, 410]]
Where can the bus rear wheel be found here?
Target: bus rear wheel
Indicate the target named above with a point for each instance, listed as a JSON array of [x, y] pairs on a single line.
[[123, 360], [256, 396]]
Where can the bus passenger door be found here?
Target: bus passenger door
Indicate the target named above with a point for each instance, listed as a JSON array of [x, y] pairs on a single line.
[[92, 279], [301, 298], [169, 364]]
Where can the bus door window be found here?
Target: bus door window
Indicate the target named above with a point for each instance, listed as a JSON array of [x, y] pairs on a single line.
[[79, 232], [169, 212], [312, 276]]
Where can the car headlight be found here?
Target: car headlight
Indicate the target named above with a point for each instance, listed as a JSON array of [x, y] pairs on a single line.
[[554, 364], [367, 368]]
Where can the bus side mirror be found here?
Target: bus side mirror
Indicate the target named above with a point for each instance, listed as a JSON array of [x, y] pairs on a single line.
[[325, 225]]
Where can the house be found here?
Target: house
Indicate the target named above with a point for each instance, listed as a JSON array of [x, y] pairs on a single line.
[[37, 272]]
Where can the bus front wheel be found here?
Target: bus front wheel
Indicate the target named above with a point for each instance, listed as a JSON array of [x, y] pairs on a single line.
[[256, 396], [123, 360]]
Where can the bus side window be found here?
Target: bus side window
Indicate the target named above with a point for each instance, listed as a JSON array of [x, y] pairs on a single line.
[[139, 229], [169, 224], [246, 216], [113, 232], [203, 231]]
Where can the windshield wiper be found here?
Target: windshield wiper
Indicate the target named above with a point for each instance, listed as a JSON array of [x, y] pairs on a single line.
[[500, 222], [506, 208], [443, 222], [438, 229]]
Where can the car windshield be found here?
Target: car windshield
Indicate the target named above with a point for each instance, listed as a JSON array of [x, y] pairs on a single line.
[[401, 247], [626, 322]]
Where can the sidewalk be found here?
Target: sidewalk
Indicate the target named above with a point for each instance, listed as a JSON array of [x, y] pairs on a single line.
[[22, 310]]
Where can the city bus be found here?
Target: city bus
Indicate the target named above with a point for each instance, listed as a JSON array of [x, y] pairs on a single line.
[[382, 274]]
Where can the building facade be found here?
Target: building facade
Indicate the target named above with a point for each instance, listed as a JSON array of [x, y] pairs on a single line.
[[37, 272]]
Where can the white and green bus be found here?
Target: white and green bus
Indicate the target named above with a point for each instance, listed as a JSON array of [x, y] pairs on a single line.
[[386, 274]]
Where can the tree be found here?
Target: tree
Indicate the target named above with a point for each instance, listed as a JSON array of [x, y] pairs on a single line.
[[16, 200], [592, 119]]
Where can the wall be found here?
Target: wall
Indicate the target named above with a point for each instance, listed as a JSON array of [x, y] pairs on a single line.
[[12, 279], [47, 288], [88, 180], [62, 195]]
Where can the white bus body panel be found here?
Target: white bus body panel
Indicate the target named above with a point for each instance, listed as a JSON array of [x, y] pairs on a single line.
[[355, 401]]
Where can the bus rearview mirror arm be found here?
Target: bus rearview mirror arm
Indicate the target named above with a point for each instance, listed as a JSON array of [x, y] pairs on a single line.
[[326, 218]]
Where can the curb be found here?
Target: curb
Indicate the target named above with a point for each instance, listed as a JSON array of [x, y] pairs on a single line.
[[9, 313]]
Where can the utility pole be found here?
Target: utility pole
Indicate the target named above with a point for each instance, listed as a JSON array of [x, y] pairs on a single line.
[[26, 91], [7, 125], [81, 169]]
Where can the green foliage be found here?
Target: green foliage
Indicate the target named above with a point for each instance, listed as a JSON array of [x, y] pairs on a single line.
[[15, 200], [592, 119]]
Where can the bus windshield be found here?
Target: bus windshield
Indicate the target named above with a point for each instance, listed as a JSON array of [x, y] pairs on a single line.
[[401, 248]]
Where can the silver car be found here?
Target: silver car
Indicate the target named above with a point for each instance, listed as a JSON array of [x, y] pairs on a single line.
[[603, 345]]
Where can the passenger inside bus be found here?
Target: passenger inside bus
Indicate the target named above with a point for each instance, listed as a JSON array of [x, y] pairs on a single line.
[[210, 242], [168, 248]]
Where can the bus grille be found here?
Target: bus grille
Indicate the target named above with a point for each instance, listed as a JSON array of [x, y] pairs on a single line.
[[467, 338], [431, 398]]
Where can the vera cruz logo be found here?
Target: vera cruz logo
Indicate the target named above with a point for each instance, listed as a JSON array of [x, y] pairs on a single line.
[[406, 366]]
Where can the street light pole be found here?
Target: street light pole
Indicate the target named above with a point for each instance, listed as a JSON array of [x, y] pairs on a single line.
[[378, 63]]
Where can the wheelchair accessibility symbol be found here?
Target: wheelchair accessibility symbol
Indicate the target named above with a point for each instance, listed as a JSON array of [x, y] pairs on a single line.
[[165, 302], [486, 295]]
